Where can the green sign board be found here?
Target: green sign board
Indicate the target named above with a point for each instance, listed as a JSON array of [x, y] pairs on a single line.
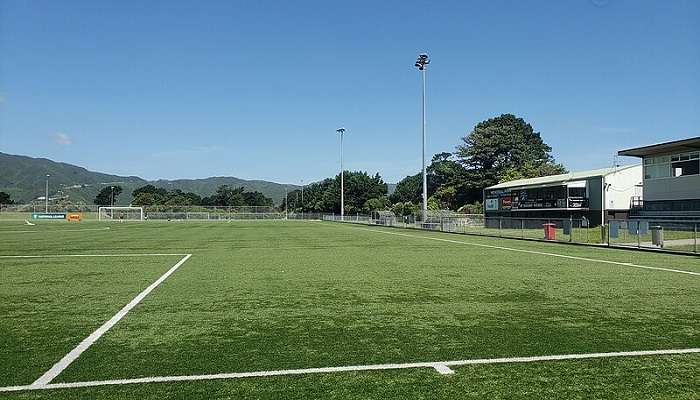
[[48, 215]]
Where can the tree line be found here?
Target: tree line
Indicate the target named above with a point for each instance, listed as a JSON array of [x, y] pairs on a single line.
[[496, 150], [149, 195]]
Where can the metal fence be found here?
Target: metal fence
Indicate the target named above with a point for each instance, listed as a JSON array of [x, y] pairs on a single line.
[[660, 234], [21, 212], [663, 235]]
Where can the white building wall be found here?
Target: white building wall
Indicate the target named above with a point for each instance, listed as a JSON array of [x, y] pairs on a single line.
[[621, 186]]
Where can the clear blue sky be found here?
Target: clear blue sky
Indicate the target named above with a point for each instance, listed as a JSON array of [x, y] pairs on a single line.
[[256, 89]]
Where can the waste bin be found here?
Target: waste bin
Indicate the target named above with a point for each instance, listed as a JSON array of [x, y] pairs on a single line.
[[657, 235], [549, 231]]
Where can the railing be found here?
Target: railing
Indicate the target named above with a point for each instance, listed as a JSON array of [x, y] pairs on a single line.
[[662, 235], [636, 203]]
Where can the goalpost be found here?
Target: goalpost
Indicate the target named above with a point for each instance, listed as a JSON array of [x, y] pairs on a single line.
[[120, 214]]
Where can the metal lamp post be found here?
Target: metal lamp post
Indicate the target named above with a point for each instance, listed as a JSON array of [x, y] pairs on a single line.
[[302, 199], [422, 63], [46, 199], [111, 202], [342, 173]]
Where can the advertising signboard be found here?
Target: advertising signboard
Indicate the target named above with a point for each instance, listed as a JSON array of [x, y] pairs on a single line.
[[48, 215], [491, 204]]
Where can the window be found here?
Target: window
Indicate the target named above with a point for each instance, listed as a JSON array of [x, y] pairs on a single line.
[[577, 192], [683, 168], [657, 171], [674, 165]]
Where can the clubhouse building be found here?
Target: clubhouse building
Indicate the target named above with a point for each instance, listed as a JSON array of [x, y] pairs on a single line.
[[671, 177], [595, 195]]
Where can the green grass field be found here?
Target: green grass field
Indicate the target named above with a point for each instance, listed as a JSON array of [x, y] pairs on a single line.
[[277, 295]]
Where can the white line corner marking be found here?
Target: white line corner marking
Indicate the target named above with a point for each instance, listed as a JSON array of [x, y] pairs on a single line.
[[88, 341]]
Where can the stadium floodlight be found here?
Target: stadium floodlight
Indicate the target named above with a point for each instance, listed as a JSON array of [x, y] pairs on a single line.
[[112, 198], [46, 199], [421, 63], [342, 173]]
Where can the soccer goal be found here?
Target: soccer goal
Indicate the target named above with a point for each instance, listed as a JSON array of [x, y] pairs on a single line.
[[120, 214]]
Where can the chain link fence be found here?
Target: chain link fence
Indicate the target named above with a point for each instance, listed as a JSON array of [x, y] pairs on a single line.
[[21, 212], [657, 234]]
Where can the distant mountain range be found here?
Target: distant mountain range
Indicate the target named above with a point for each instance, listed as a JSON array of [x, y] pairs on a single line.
[[24, 178]]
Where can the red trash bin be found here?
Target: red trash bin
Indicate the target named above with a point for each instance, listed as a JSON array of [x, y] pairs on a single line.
[[550, 232]]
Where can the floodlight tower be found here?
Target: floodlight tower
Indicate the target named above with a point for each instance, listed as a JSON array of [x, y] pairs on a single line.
[[341, 131], [46, 199], [422, 63]]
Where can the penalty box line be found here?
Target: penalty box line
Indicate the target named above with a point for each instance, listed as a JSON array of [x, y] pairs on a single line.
[[442, 367], [64, 362], [541, 253]]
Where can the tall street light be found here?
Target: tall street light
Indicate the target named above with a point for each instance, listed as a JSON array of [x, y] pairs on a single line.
[[302, 199], [46, 199], [422, 63], [342, 172]]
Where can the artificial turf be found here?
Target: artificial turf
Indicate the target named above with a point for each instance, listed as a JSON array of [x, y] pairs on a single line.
[[277, 295]]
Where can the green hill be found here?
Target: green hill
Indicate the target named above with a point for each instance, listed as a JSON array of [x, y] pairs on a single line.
[[24, 178]]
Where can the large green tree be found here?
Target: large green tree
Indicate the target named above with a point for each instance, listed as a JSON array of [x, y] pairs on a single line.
[[408, 189], [505, 147], [324, 196], [256, 199], [108, 195], [5, 198]]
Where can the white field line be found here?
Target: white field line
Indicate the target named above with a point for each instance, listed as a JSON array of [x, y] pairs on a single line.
[[57, 230], [87, 342], [542, 253], [98, 255], [440, 366]]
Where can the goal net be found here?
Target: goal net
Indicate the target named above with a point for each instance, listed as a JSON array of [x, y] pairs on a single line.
[[120, 214]]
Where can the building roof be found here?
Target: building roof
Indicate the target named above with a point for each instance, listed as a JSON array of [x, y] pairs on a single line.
[[563, 178], [667, 147]]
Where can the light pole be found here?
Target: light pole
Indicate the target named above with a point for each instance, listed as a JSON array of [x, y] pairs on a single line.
[[46, 199], [286, 204], [422, 63], [342, 173], [111, 202], [302, 199]]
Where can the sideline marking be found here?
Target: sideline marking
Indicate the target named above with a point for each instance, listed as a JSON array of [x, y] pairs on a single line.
[[57, 230], [679, 271], [444, 366], [100, 255], [88, 341]]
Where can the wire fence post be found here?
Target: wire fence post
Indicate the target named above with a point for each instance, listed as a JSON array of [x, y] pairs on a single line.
[[571, 229], [500, 226], [695, 238], [522, 228]]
